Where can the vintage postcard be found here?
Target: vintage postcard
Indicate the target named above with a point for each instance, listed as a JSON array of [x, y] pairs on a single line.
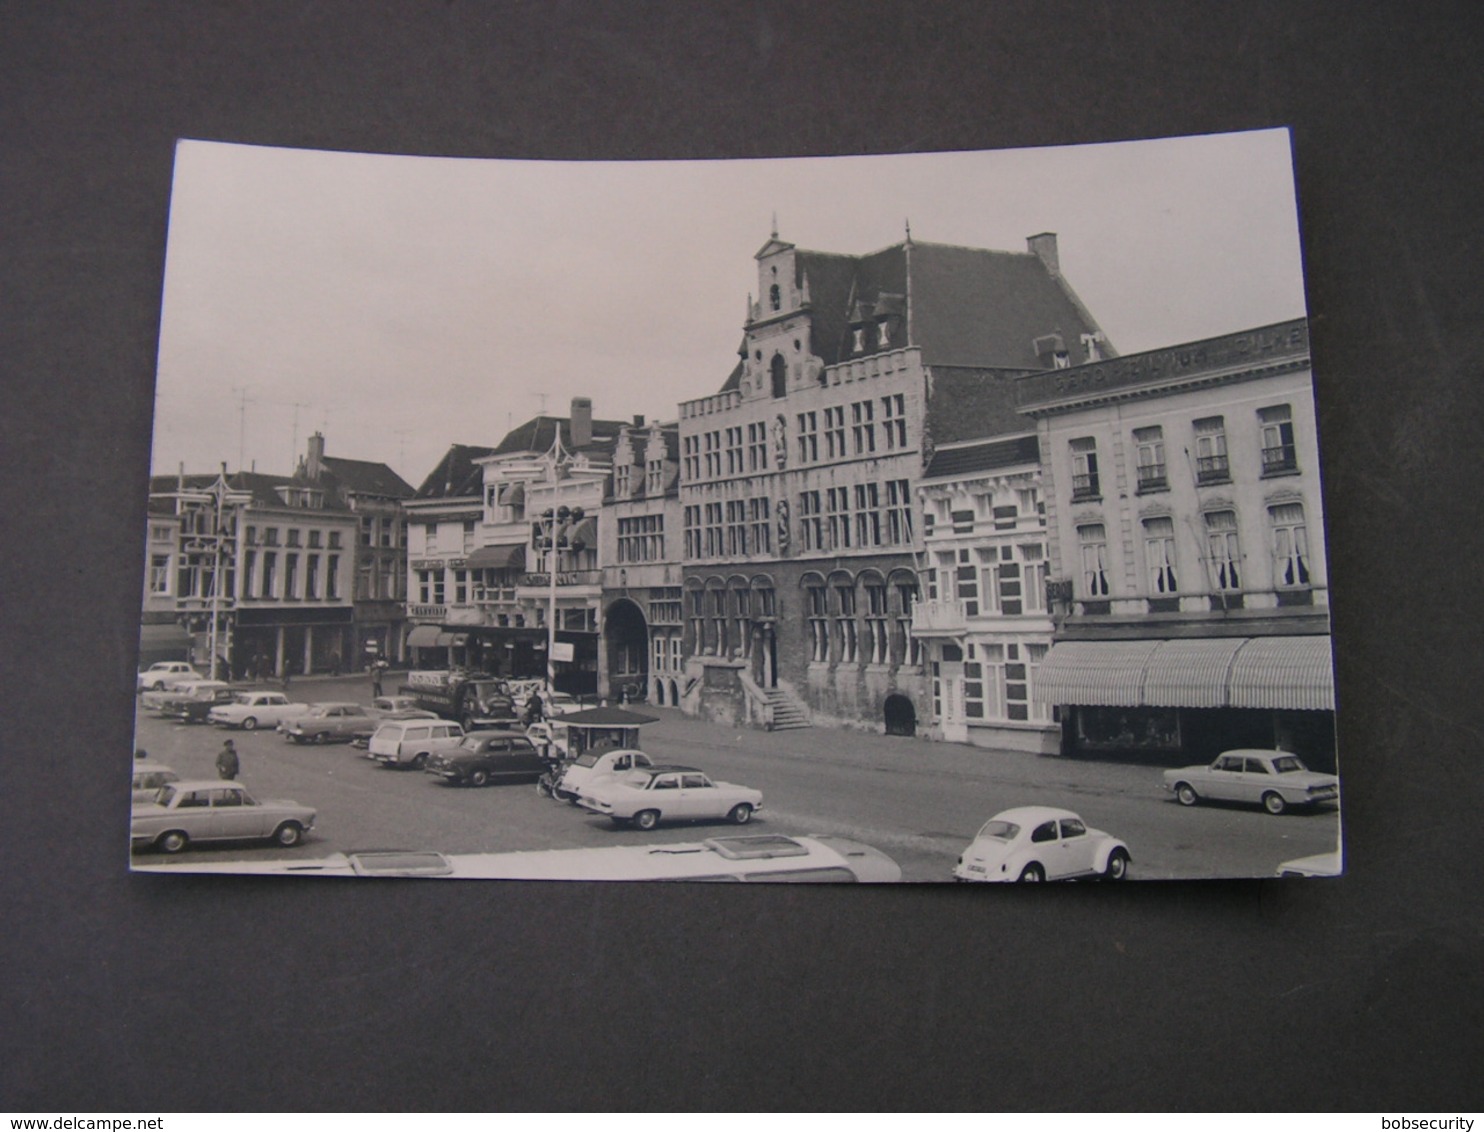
[[913, 518]]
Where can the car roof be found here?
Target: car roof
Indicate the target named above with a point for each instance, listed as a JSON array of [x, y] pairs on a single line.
[[663, 768], [334, 703], [205, 784], [1259, 752], [150, 765], [1031, 815]]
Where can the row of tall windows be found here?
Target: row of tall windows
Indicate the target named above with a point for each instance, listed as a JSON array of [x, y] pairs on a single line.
[[1005, 580], [843, 517], [1210, 459], [996, 685], [1221, 549], [294, 537], [641, 539], [722, 619], [861, 622], [261, 576]]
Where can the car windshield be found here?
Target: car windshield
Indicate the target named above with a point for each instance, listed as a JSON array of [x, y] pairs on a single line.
[[165, 795], [1000, 830], [587, 760], [244, 699], [1287, 764]]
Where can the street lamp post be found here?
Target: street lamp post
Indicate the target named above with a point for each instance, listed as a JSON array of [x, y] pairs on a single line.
[[551, 534], [220, 497]]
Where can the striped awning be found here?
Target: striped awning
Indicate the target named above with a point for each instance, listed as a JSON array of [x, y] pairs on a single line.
[[1284, 672], [1278, 673], [1103, 673], [585, 532], [1194, 673]]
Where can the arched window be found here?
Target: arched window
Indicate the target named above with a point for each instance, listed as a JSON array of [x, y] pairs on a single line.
[[779, 370], [775, 297], [847, 628], [816, 610], [902, 593]]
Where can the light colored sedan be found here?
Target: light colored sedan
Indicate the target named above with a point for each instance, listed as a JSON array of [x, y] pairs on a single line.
[[1275, 780], [183, 812], [326, 723], [1036, 843], [165, 674], [669, 793], [251, 710], [149, 777]]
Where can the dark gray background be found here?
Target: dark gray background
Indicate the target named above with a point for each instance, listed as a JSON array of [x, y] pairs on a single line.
[[127, 993]]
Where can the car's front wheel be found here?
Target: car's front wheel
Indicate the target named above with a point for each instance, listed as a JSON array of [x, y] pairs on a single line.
[[1273, 802], [289, 834], [1186, 794], [321, 737], [1117, 867], [479, 778], [1032, 874], [419, 761], [250, 723], [740, 814], [172, 841], [647, 819]]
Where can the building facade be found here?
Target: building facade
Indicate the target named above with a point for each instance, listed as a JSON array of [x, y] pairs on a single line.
[[1186, 552], [639, 550], [261, 571], [983, 622], [798, 477]]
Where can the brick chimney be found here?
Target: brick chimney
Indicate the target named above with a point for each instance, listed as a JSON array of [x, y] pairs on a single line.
[[314, 466], [1043, 247], [582, 422]]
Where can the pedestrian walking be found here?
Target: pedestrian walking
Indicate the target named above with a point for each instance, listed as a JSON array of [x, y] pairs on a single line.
[[378, 666], [285, 679], [226, 761]]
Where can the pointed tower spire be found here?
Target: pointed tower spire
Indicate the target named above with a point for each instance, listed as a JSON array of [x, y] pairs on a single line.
[[775, 224], [908, 225]]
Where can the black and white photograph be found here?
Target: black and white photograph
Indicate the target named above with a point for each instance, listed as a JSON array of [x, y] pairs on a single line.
[[943, 517]]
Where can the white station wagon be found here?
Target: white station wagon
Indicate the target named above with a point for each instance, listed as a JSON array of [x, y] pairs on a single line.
[[251, 710]]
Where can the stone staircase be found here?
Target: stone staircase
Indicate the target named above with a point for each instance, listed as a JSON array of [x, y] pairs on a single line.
[[788, 713]]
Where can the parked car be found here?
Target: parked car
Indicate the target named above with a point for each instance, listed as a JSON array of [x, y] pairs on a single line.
[[1274, 779], [410, 742], [385, 709], [251, 710], [161, 675], [593, 766], [186, 811], [488, 756], [195, 705], [155, 700], [653, 794], [149, 777], [1036, 843], [549, 737], [325, 723]]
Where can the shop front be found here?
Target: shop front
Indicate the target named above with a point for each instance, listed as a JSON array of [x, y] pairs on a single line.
[[1185, 701]]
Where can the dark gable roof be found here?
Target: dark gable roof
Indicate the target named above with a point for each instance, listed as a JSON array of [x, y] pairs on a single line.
[[535, 435], [367, 478], [984, 457], [263, 488], [972, 307], [456, 474], [970, 403], [969, 307]]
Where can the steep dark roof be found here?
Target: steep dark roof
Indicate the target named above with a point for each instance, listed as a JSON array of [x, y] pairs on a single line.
[[456, 474], [535, 435], [984, 457], [367, 477], [967, 307], [262, 487], [966, 404]]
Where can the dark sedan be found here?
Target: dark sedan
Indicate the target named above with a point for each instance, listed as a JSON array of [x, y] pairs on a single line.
[[488, 756]]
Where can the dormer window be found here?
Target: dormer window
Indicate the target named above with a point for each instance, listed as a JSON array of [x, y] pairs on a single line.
[[883, 333], [775, 297], [860, 340]]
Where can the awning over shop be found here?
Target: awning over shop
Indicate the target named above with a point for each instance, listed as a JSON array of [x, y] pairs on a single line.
[[585, 532], [1190, 673], [1107, 673], [1284, 672], [511, 556], [513, 494], [163, 636], [1237, 672], [452, 640], [423, 636]]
